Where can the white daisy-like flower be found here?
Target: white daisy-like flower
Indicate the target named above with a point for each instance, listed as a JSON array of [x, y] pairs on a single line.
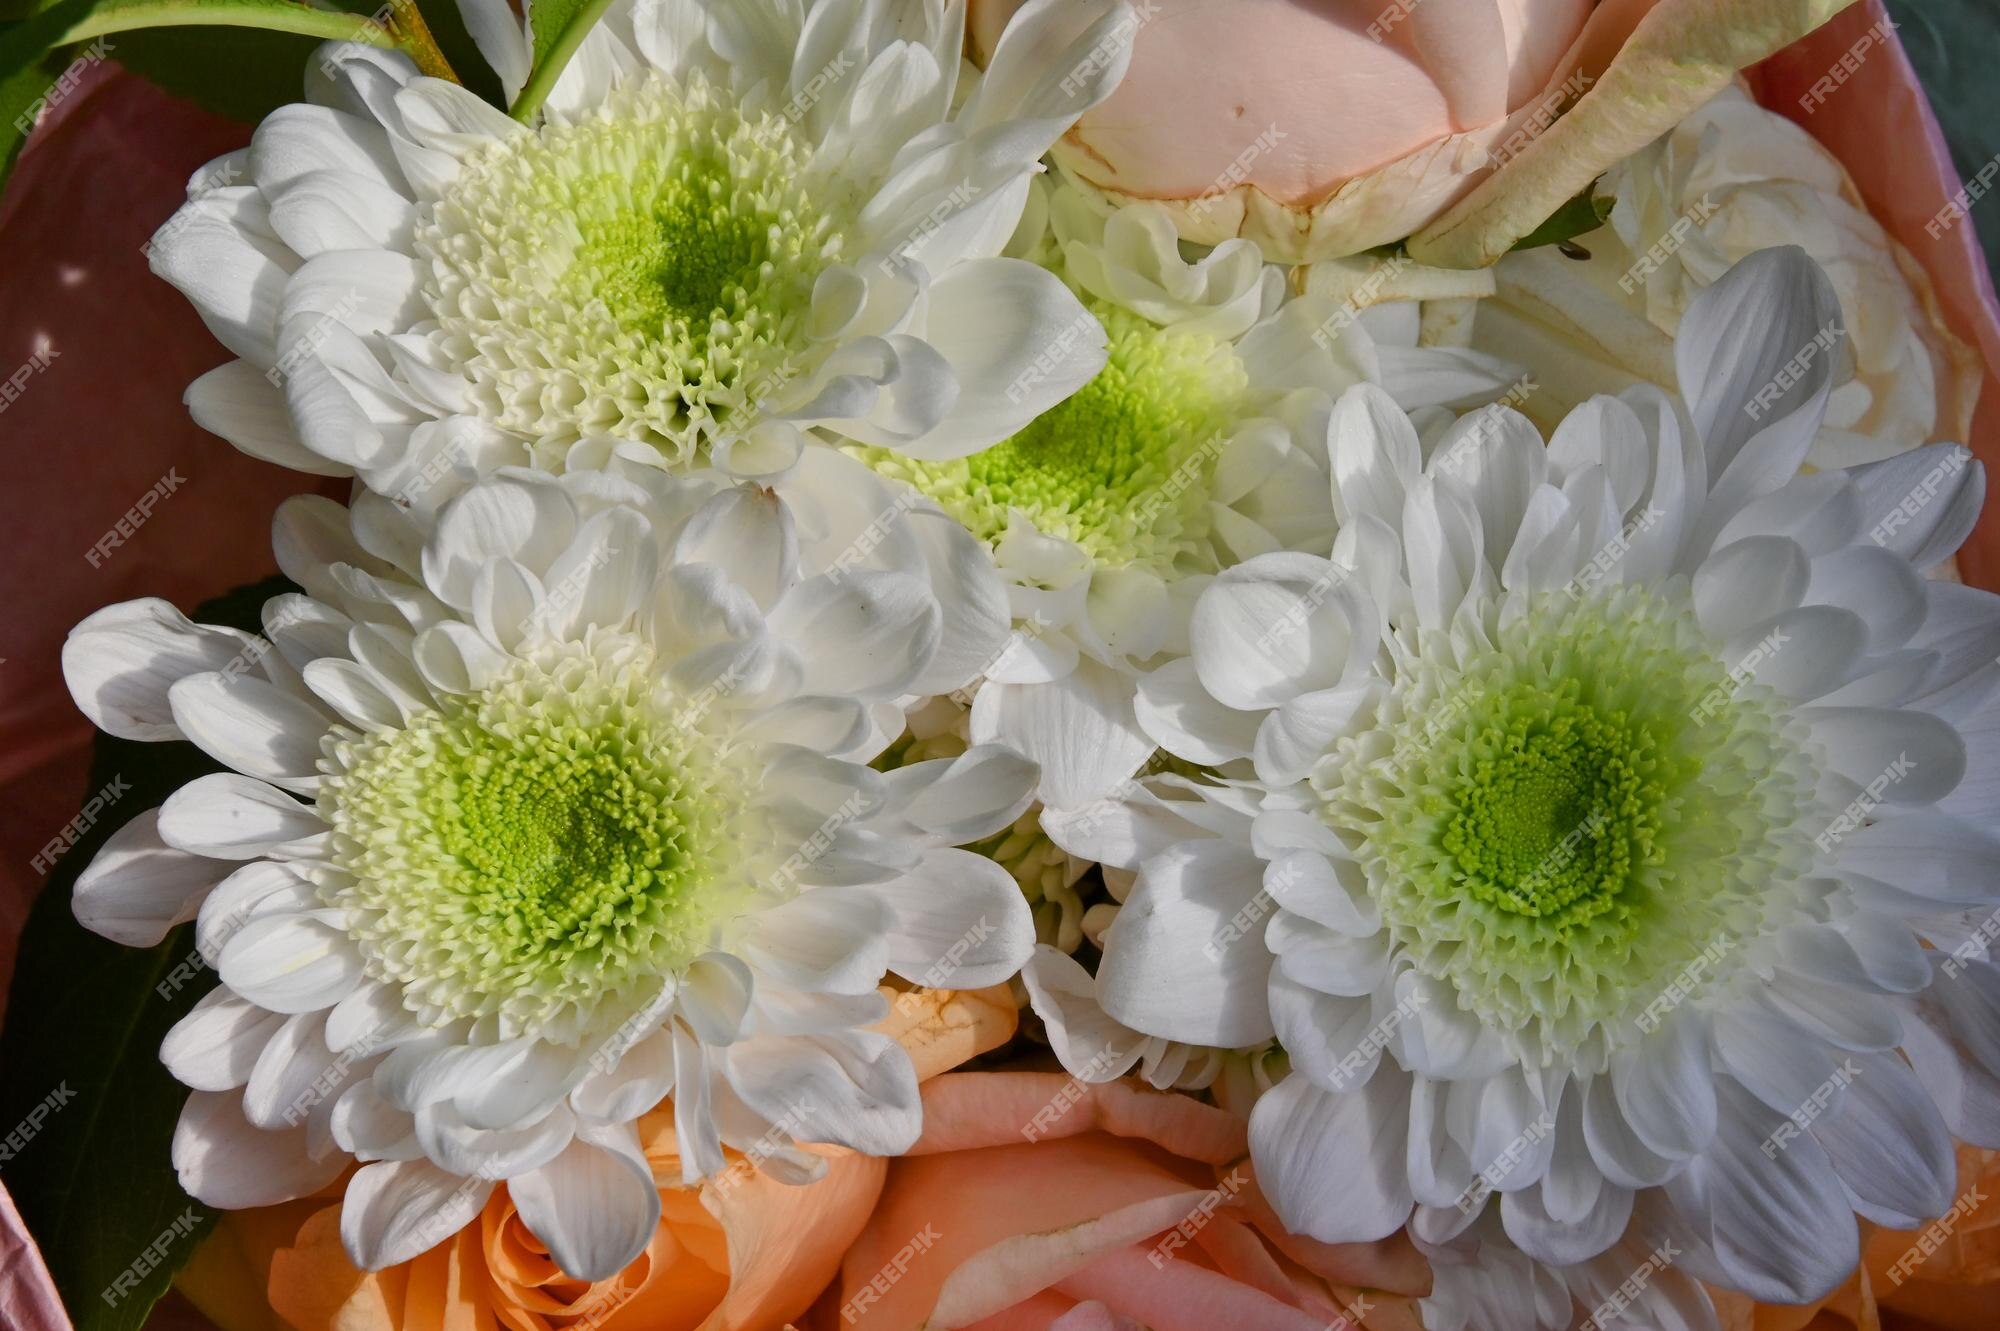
[[1200, 444], [533, 821], [1603, 798], [731, 221]]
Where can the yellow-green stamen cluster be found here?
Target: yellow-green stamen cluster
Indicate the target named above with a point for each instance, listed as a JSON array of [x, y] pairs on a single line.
[[645, 271], [540, 854], [1122, 467], [1564, 825]]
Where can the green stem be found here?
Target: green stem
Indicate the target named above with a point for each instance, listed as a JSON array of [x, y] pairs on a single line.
[[551, 60], [322, 23]]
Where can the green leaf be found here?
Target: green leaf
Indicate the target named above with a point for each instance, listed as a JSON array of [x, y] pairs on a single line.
[[559, 27], [79, 1059], [1583, 214]]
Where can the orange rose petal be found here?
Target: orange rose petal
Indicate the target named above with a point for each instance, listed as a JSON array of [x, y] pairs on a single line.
[[785, 1243], [943, 1028], [312, 1283], [972, 1109], [985, 1228], [1392, 1264]]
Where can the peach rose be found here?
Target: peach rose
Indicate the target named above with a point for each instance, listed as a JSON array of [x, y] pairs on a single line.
[[1321, 128], [1035, 1203], [741, 1252]]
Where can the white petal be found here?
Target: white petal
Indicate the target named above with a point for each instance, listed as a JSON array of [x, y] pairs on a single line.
[[224, 1161], [1186, 958], [1303, 1138], [138, 887], [291, 963], [215, 1046], [1081, 729], [396, 1210], [233, 817], [120, 662], [252, 726], [594, 1206], [960, 922]]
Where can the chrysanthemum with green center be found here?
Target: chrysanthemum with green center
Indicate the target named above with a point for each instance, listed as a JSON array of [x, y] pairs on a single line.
[[541, 854], [644, 271], [1122, 468], [1559, 824]]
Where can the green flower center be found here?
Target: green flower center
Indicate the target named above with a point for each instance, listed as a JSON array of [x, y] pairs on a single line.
[[645, 271], [1577, 819], [540, 854], [1556, 804], [1122, 467]]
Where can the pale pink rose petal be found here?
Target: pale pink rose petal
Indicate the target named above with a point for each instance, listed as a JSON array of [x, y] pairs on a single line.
[[28, 1300], [979, 1230]]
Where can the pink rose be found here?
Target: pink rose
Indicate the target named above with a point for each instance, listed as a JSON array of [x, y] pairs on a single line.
[[1033, 1202]]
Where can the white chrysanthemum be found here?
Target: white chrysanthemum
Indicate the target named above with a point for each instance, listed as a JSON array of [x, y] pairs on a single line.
[[1731, 179], [732, 221], [538, 819], [1200, 444], [1604, 797]]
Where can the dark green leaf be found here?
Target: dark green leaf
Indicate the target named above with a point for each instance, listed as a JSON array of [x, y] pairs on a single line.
[[79, 1057], [1583, 214]]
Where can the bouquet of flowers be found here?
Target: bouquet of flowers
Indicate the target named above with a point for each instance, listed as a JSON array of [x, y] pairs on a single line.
[[1105, 665]]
